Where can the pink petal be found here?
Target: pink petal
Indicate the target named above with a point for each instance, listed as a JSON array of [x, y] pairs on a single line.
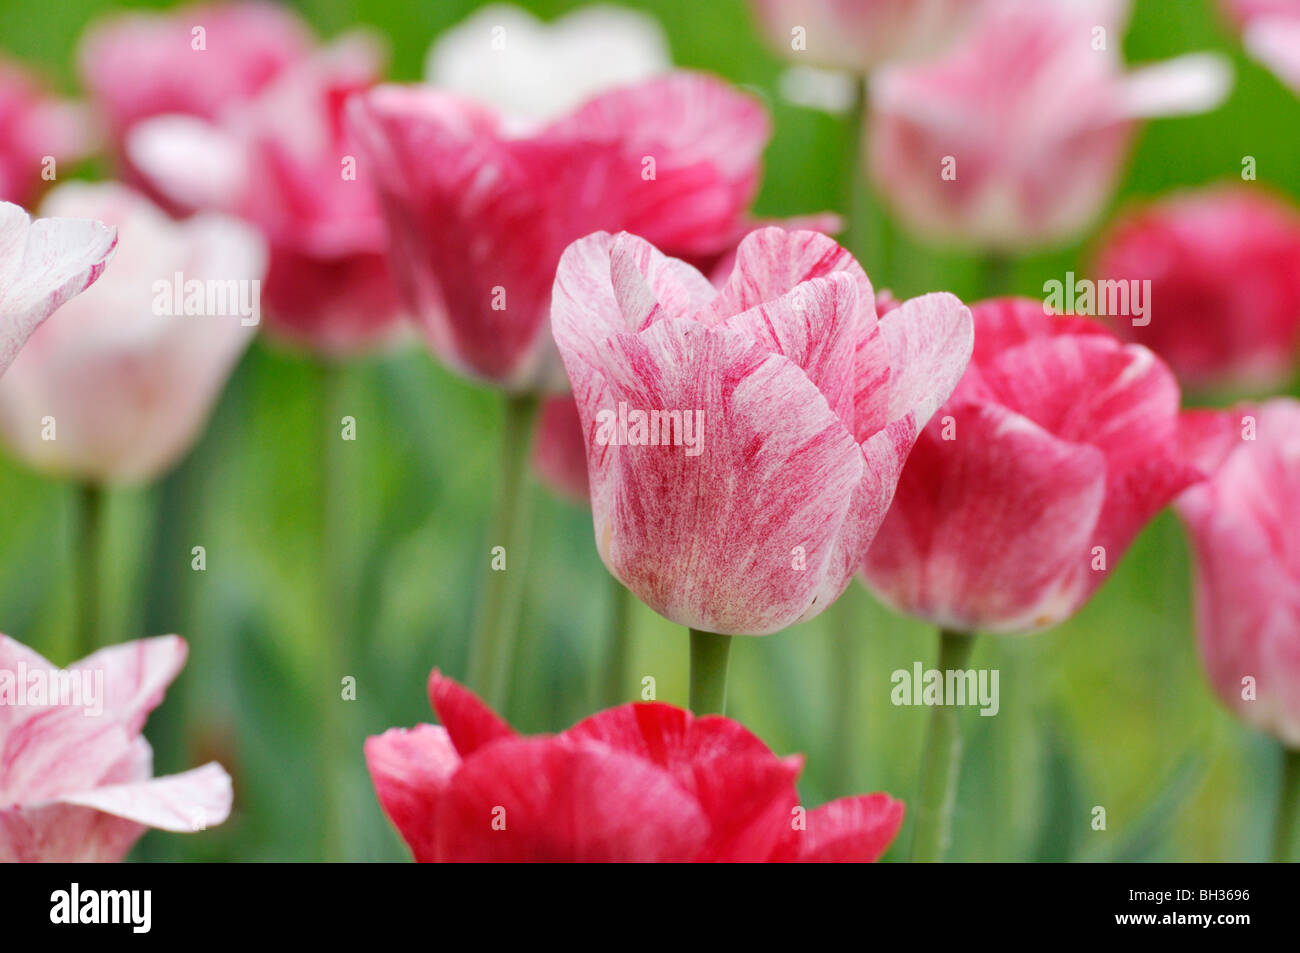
[[850, 830], [188, 802], [750, 802], [1275, 42], [410, 770], [469, 722], [136, 676], [559, 450], [561, 801], [43, 264], [1186, 85]]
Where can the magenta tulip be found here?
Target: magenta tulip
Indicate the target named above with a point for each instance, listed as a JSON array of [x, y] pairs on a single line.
[[76, 775], [1224, 301], [636, 783], [780, 411], [1017, 135], [43, 263], [1056, 448]]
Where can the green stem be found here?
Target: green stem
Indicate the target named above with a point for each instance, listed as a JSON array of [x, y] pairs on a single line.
[[620, 642], [867, 233], [492, 650], [995, 275], [710, 653], [940, 761], [1288, 807], [337, 745], [846, 662], [90, 530]]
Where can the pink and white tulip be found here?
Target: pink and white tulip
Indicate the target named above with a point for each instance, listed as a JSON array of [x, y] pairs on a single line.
[[1242, 524], [481, 208], [1017, 135], [283, 162], [76, 775], [1224, 303], [37, 132], [116, 385], [1270, 30], [859, 35], [805, 407], [44, 263], [1021, 496]]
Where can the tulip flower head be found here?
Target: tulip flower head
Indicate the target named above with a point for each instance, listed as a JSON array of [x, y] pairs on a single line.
[[639, 783], [1242, 525], [1016, 136], [44, 263], [1224, 267], [116, 385], [1057, 447], [76, 781], [37, 132], [804, 407]]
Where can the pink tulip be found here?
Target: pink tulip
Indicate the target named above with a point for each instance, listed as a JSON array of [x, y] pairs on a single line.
[[196, 60], [639, 783], [76, 775], [1242, 523], [37, 132], [1017, 135], [859, 35], [1224, 267], [1056, 448], [1270, 30], [44, 263], [803, 407], [116, 385], [283, 162], [481, 207]]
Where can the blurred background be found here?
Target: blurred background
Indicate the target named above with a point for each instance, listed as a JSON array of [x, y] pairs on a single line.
[[1110, 709]]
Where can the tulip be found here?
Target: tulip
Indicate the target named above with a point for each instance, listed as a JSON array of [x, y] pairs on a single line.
[[1056, 448], [860, 35], [797, 410], [1016, 136], [116, 386], [636, 783], [78, 783], [44, 263], [1224, 267], [1242, 526], [1270, 30], [195, 60], [37, 131], [504, 57]]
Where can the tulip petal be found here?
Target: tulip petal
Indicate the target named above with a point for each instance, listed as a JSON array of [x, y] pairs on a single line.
[[546, 799], [136, 675], [669, 737], [470, 723], [1275, 42], [410, 770], [850, 830], [191, 162], [187, 802], [750, 802], [1185, 85], [43, 263]]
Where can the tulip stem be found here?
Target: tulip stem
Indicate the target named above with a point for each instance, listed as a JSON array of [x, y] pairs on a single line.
[[1288, 807], [866, 230], [995, 275], [89, 535], [620, 639], [940, 761], [710, 653], [492, 650], [846, 662]]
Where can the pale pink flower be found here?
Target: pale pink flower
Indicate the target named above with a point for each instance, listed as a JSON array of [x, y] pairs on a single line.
[[76, 775], [38, 132]]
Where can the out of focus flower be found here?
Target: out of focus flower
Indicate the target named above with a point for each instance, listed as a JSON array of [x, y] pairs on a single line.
[[284, 162], [1224, 267], [1270, 30], [859, 35], [76, 779], [506, 58], [195, 60], [37, 131], [1242, 523], [775, 416], [481, 209], [1018, 500], [637, 783], [43, 263], [1017, 135], [117, 384]]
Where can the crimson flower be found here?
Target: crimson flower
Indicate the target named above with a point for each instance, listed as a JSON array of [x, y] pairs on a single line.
[[643, 782]]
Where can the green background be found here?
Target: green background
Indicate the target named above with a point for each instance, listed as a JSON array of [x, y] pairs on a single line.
[[1110, 709]]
